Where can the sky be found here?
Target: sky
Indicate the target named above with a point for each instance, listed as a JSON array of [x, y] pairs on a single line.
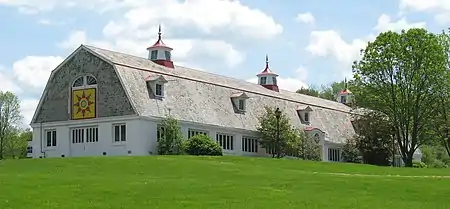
[[308, 42]]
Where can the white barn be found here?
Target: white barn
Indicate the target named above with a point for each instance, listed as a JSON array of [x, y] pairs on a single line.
[[100, 102]]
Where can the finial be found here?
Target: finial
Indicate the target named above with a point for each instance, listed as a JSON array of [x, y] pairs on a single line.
[[159, 31], [267, 61], [345, 82]]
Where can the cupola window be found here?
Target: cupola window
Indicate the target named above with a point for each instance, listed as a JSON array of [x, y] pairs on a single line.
[[168, 55], [154, 55]]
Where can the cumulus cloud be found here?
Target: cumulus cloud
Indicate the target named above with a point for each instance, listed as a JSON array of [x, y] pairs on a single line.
[[440, 8], [27, 108], [326, 43], [33, 71], [306, 18], [293, 83]]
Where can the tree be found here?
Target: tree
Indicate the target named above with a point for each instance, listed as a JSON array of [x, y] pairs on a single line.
[[400, 75], [374, 138], [16, 143], [441, 127], [170, 137], [311, 91], [350, 151], [269, 129], [330, 92], [9, 117], [309, 149]]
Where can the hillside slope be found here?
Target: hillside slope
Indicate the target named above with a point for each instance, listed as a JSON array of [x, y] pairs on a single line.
[[215, 182]]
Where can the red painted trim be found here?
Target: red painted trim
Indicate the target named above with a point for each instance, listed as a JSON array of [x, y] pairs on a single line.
[[165, 63], [271, 87]]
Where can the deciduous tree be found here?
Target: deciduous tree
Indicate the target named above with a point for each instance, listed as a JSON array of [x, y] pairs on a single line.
[[276, 135], [400, 75], [170, 137], [9, 117]]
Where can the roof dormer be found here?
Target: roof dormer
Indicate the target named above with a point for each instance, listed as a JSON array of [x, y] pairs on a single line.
[[155, 85], [304, 113], [267, 78], [239, 100], [160, 53]]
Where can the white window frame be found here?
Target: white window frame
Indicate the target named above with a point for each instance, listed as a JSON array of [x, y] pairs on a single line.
[[306, 116], [274, 80], [226, 141], [343, 98], [167, 55], [249, 144], [155, 53], [263, 79], [334, 154], [121, 139], [241, 101], [162, 89], [53, 139], [192, 132]]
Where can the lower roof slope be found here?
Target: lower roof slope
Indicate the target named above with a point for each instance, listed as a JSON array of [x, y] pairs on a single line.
[[202, 97]]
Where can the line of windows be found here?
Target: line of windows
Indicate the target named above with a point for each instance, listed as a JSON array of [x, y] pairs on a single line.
[[225, 141], [81, 135], [193, 132], [334, 154], [249, 144]]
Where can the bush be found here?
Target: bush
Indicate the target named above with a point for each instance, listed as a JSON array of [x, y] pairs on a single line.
[[202, 145], [418, 164], [350, 152]]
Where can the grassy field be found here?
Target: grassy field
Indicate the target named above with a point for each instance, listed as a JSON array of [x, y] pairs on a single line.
[[215, 182]]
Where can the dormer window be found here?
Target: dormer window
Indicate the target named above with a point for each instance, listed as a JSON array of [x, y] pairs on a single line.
[[241, 105], [158, 90], [303, 112], [154, 55], [239, 101], [155, 84]]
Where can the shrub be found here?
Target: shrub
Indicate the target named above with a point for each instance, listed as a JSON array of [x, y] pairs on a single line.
[[202, 145], [418, 164], [170, 137], [350, 152]]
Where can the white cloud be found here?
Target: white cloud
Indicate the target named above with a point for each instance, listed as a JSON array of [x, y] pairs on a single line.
[[27, 108], [440, 8], [33, 71], [307, 18], [330, 43], [385, 23], [7, 82], [290, 83]]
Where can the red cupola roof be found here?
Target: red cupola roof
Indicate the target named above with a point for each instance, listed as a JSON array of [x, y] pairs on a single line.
[[159, 42], [267, 70]]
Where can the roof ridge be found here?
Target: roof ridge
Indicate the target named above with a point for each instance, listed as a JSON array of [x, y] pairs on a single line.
[[217, 84]]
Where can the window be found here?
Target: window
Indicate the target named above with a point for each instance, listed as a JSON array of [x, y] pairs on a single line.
[[50, 138], [154, 55], [274, 81], [249, 144], [158, 89], [343, 99], [193, 132], [334, 155], [270, 150], [263, 80], [29, 149], [92, 134], [306, 116], [160, 132], [120, 133], [90, 80], [167, 53], [78, 135], [241, 105], [79, 82], [225, 141]]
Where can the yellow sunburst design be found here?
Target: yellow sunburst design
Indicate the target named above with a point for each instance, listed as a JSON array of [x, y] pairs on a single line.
[[83, 104]]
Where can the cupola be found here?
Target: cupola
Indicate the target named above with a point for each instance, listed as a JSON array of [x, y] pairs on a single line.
[[159, 53], [345, 95], [267, 78]]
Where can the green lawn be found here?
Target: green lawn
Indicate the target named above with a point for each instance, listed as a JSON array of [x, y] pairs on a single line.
[[214, 182]]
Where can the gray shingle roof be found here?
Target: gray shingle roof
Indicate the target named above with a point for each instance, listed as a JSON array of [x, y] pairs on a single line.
[[202, 97]]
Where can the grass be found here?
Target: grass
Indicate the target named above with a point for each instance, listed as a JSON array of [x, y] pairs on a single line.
[[214, 182]]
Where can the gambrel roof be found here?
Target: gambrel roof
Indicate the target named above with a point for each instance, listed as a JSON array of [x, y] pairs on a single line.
[[202, 97]]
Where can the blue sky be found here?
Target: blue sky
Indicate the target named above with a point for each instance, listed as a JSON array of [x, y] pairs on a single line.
[[309, 42]]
